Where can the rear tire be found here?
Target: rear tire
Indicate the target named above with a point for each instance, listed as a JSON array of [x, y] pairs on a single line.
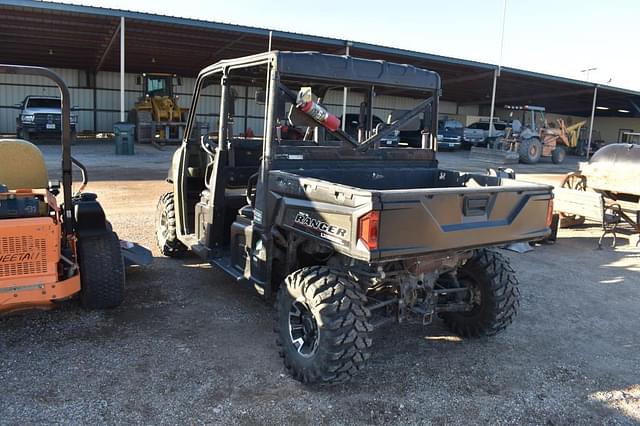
[[166, 230], [530, 150], [322, 326], [559, 154], [101, 272], [494, 286]]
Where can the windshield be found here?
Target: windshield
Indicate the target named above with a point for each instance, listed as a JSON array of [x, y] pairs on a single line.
[[481, 126], [452, 124], [158, 86], [43, 103], [308, 115]]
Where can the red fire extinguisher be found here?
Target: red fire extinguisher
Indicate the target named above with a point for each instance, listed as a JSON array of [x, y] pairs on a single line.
[[306, 104]]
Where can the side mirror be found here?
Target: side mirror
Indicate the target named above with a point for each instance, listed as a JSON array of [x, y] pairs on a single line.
[[17, 106], [75, 108], [261, 97], [138, 80], [177, 81]]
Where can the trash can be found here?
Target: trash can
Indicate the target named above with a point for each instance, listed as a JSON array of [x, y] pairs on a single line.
[[124, 138]]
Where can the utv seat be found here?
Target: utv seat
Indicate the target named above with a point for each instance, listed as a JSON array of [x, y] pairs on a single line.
[[22, 165]]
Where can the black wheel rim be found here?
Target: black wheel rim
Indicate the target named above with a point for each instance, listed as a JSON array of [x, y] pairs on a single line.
[[303, 329]]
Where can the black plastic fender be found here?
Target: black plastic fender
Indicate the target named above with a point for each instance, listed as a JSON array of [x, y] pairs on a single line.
[[89, 216]]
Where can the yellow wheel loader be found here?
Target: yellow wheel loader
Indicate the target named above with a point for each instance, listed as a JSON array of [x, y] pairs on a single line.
[[157, 115]]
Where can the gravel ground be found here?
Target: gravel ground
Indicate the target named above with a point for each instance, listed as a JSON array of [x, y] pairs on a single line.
[[189, 345]]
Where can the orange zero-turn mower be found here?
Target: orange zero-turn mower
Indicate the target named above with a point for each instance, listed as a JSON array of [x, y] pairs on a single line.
[[51, 252]]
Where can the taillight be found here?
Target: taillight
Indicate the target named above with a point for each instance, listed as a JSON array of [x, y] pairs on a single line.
[[550, 213], [368, 229]]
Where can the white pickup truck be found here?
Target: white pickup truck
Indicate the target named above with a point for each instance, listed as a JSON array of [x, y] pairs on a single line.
[[476, 134], [41, 116]]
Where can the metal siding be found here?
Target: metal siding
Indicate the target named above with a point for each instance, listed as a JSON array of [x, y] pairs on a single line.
[[14, 88]]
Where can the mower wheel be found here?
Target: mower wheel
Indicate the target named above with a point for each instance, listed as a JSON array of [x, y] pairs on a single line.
[[101, 272], [166, 232]]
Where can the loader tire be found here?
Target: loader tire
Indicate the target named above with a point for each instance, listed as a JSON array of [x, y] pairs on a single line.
[[166, 231], [494, 290], [101, 271], [322, 325], [559, 154], [530, 150]]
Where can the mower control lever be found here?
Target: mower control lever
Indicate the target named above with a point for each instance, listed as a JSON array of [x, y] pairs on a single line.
[[83, 170]]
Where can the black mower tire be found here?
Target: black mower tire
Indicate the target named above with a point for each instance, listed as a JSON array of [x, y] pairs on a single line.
[[166, 228], [490, 274], [337, 307], [102, 276], [530, 150]]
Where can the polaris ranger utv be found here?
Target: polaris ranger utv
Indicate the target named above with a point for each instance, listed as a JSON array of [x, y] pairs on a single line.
[[349, 233]]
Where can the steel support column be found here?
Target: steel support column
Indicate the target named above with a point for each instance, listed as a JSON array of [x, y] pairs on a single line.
[[593, 113], [122, 115], [345, 92], [496, 72]]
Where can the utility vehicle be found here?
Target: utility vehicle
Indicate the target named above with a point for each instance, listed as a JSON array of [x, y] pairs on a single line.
[[345, 233]]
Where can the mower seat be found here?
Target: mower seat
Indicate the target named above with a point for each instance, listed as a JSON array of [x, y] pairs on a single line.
[[22, 165]]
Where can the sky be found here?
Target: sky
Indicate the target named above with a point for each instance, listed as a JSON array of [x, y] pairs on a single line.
[[561, 37]]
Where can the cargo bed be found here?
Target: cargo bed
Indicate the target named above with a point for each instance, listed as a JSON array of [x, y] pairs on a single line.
[[422, 210]]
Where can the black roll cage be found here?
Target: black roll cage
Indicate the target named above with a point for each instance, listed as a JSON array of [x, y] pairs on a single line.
[[271, 59]]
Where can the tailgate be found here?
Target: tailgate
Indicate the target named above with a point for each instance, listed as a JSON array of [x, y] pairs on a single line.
[[431, 220]]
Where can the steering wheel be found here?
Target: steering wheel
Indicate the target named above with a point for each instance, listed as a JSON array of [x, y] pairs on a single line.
[[208, 146]]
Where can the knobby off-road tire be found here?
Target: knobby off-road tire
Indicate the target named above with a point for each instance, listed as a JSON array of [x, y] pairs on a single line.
[[530, 150], [496, 296], [166, 232], [322, 325], [101, 272]]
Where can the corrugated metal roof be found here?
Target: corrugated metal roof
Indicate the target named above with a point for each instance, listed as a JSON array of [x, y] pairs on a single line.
[[76, 36]]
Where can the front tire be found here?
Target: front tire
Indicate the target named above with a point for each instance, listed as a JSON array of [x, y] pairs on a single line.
[[494, 292], [166, 228], [101, 272], [322, 325], [559, 154], [530, 150]]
